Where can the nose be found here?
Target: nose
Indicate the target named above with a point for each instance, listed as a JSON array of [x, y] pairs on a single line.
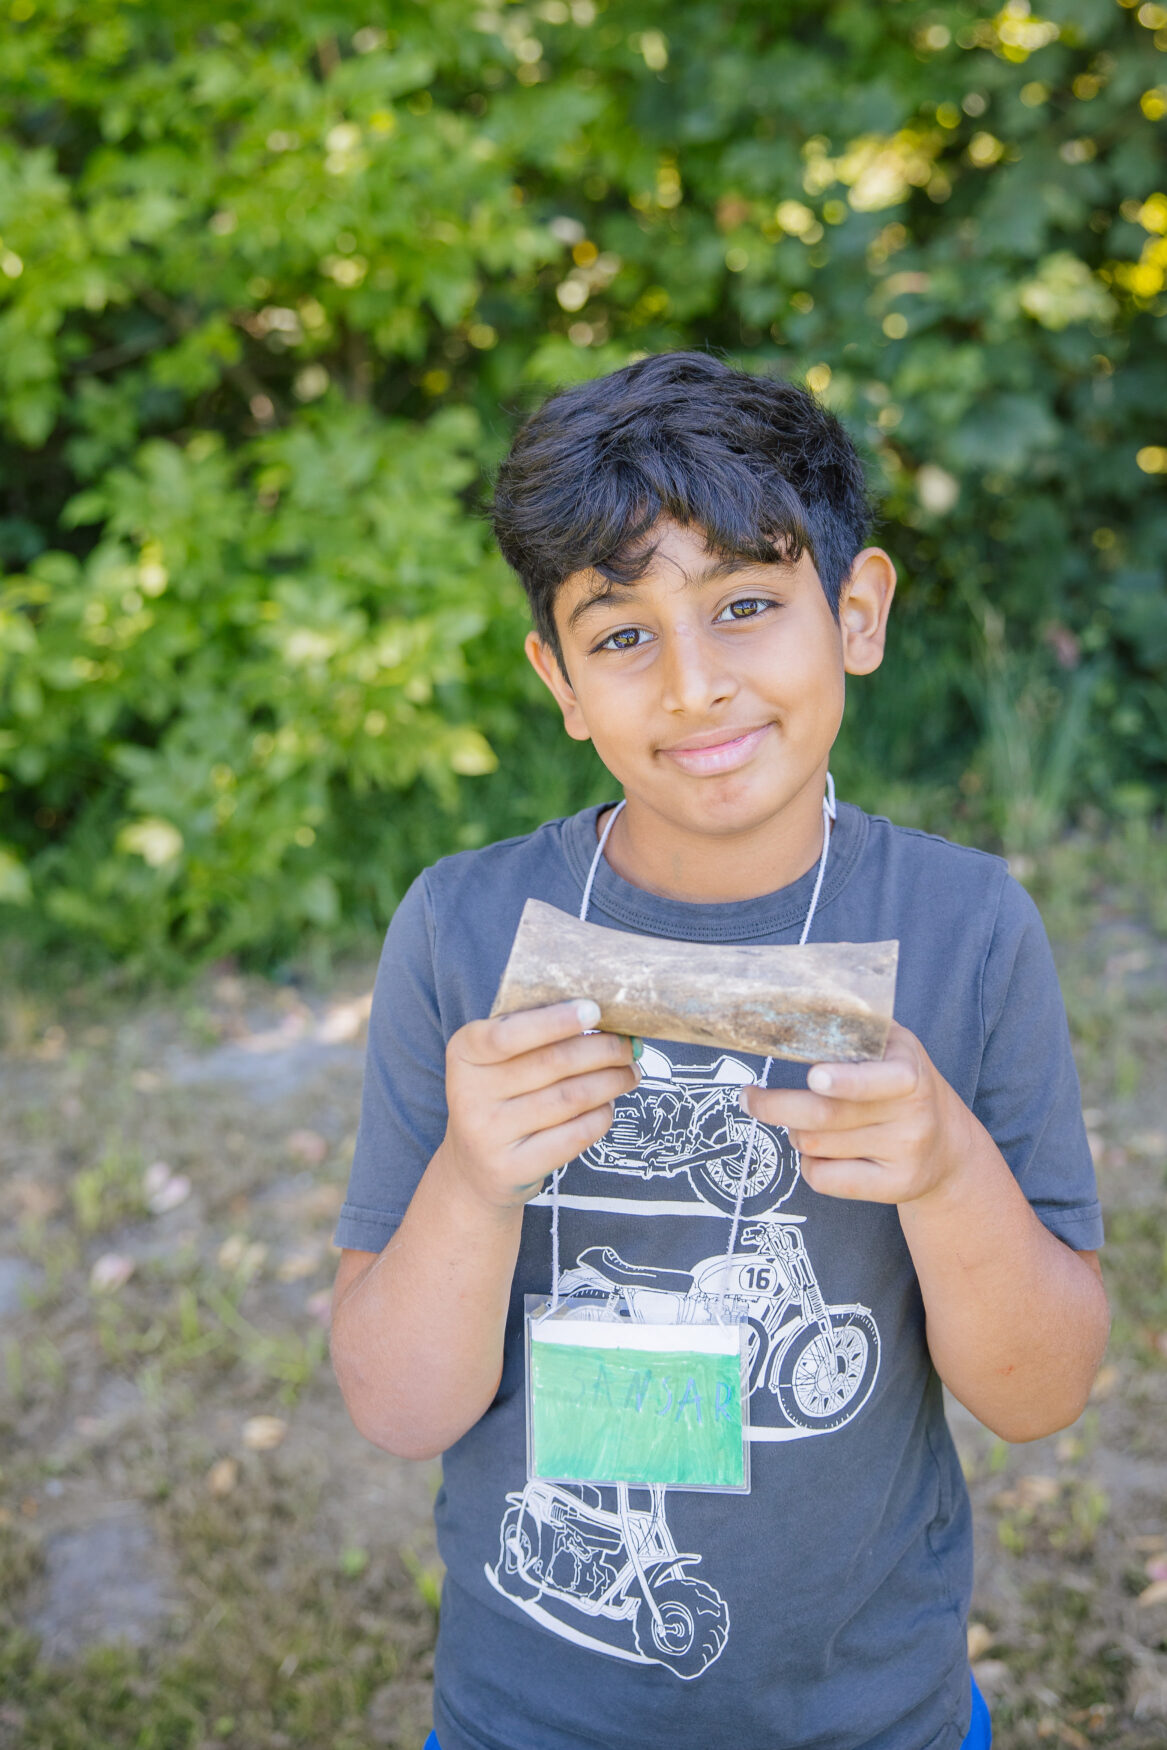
[[695, 677]]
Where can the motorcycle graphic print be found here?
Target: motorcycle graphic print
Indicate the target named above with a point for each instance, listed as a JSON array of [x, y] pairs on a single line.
[[574, 1551], [818, 1362], [598, 1565], [685, 1118]]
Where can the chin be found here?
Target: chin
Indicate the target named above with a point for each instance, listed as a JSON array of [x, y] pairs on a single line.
[[725, 809]]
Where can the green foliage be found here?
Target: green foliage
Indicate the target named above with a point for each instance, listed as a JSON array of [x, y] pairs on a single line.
[[274, 285]]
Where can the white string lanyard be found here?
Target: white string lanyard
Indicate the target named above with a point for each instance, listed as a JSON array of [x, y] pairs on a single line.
[[829, 814]]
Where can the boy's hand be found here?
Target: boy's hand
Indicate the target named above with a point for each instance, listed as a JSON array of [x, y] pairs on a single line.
[[528, 1092], [889, 1131]]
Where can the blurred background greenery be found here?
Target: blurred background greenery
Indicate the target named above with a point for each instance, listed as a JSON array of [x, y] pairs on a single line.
[[276, 285]]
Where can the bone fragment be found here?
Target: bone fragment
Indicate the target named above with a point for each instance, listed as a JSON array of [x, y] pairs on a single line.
[[825, 1002]]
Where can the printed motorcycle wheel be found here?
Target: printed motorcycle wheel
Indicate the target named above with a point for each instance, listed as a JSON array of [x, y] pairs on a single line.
[[757, 1353], [515, 1553], [822, 1384], [693, 1625], [769, 1181]]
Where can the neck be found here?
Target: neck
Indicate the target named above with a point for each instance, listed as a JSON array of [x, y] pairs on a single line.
[[665, 858]]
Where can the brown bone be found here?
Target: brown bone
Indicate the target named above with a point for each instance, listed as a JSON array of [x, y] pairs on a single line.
[[826, 1002]]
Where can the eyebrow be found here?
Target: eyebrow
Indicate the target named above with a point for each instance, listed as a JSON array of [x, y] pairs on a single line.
[[729, 566]]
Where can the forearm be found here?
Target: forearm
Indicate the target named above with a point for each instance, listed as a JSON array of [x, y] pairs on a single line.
[[1016, 1321], [417, 1340]]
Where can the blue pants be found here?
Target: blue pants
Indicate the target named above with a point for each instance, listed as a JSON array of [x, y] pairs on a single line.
[[980, 1731]]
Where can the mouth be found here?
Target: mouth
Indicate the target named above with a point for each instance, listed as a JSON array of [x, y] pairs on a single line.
[[716, 751]]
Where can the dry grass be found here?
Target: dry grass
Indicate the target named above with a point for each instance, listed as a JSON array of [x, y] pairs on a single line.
[[273, 1577]]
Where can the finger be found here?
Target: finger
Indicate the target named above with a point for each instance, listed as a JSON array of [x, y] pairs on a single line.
[[506, 1036], [547, 1150], [880, 1144], [856, 1180], [561, 1101], [887, 1078], [566, 1057], [798, 1110]]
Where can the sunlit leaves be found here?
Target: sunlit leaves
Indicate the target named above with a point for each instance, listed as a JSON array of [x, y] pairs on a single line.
[[273, 289]]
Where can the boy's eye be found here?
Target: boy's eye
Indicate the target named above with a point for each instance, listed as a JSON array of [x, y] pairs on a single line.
[[626, 639], [746, 608]]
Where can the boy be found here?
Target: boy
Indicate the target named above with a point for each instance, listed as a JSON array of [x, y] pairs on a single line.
[[692, 540]]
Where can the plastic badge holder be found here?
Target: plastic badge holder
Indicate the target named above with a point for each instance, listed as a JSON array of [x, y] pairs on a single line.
[[614, 1400]]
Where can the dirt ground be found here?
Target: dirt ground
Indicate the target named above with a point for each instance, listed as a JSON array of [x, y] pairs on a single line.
[[196, 1549]]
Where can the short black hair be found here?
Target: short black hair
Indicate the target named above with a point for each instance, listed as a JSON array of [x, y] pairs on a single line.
[[755, 462]]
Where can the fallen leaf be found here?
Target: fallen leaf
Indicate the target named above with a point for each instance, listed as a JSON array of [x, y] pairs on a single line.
[[176, 1190], [36, 1199], [1155, 1593], [157, 1174], [231, 1252], [1048, 1727], [1104, 1383], [313, 1203], [344, 1020], [297, 1265], [1031, 1491], [980, 1639], [51, 1045], [223, 1476], [1093, 1717], [307, 1146], [111, 1271], [262, 1433]]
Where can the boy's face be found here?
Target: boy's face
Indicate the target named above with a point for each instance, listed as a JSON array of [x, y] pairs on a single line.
[[711, 688]]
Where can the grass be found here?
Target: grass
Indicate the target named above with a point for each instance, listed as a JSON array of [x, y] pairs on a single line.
[[304, 1584]]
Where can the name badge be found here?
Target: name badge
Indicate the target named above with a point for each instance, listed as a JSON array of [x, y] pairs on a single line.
[[611, 1400]]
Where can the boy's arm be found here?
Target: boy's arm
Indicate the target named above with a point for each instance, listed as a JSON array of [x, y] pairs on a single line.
[[417, 1330], [1017, 1321]]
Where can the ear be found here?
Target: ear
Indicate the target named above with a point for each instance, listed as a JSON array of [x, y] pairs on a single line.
[[864, 605], [546, 665]]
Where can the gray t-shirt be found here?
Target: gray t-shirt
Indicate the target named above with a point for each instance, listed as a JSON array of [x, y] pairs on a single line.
[[827, 1608]]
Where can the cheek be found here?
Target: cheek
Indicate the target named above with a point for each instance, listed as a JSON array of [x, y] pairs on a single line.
[[803, 677], [613, 716]]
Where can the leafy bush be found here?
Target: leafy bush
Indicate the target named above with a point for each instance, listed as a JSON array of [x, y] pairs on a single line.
[[273, 287]]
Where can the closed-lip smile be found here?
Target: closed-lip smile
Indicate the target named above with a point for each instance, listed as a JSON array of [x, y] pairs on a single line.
[[712, 751]]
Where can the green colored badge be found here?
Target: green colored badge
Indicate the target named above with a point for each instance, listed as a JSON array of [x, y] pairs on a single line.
[[610, 1401]]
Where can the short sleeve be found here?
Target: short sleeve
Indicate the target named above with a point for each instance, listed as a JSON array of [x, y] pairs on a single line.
[[403, 1105], [1028, 1096]]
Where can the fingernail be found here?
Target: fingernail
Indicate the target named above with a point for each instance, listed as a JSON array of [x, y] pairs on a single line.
[[637, 1049], [744, 1103], [588, 1013], [819, 1080]]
